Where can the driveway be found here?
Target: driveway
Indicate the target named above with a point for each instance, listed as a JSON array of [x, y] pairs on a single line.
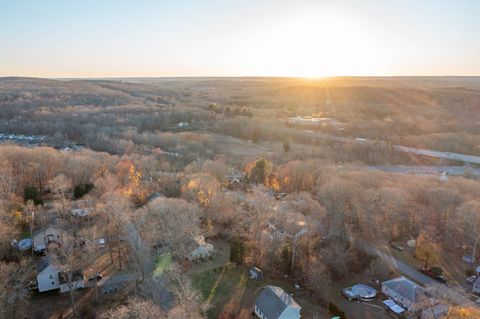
[[433, 286], [401, 266]]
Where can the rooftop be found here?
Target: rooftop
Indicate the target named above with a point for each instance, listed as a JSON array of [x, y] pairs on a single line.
[[405, 287], [274, 300]]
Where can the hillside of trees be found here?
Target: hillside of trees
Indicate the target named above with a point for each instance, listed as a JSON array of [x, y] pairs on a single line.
[[231, 175]]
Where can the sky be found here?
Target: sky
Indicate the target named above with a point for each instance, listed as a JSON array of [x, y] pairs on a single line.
[[300, 38]]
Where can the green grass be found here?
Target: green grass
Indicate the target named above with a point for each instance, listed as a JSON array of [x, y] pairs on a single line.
[[25, 235], [219, 286], [162, 264]]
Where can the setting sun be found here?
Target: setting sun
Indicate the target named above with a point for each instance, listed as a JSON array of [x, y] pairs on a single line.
[[279, 159], [317, 45]]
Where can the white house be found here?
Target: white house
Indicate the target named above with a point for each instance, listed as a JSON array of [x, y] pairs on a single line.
[[50, 277], [274, 303], [43, 238], [47, 278], [200, 248], [405, 292], [80, 212]]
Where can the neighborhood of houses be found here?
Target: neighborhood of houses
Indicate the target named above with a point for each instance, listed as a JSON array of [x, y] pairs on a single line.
[[50, 237], [399, 297], [402, 298]]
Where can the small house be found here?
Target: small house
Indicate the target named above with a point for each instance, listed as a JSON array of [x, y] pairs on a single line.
[[43, 238], [80, 212], [274, 303], [255, 273], [47, 276], [405, 292], [477, 271], [199, 248], [50, 277]]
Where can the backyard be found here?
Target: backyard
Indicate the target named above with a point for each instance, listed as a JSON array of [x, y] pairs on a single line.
[[230, 292]]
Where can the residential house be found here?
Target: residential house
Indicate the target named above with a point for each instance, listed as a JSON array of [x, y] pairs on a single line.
[[80, 212], [405, 292], [274, 303], [199, 248], [43, 238], [477, 271], [50, 277], [47, 276]]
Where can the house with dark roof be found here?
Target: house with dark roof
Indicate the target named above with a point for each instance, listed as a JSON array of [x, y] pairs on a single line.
[[405, 292], [274, 303]]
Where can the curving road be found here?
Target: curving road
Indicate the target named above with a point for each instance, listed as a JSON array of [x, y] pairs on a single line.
[[418, 151], [427, 170]]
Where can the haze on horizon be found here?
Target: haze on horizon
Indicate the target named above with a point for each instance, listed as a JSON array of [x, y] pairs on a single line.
[[239, 38]]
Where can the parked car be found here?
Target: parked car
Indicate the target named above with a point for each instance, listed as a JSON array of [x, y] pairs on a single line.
[[435, 273], [98, 275], [471, 279]]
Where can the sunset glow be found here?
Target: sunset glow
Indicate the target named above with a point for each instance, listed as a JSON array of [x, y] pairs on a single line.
[[239, 38]]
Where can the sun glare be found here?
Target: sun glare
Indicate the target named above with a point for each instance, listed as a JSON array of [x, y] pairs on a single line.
[[317, 46]]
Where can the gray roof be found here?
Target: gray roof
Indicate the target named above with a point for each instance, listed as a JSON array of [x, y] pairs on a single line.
[[43, 263], [405, 287], [273, 301], [477, 282]]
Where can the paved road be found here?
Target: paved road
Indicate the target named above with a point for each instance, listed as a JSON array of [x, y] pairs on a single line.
[[418, 151], [428, 170], [444, 155]]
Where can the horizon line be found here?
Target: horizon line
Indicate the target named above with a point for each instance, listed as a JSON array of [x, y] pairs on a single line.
[[238, 77]]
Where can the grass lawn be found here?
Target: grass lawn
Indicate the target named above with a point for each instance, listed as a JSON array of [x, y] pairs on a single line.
[[224, 290], [162, 263], [231, 293]]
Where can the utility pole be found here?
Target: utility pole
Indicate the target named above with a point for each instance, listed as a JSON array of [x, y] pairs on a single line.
[[31, 228]]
